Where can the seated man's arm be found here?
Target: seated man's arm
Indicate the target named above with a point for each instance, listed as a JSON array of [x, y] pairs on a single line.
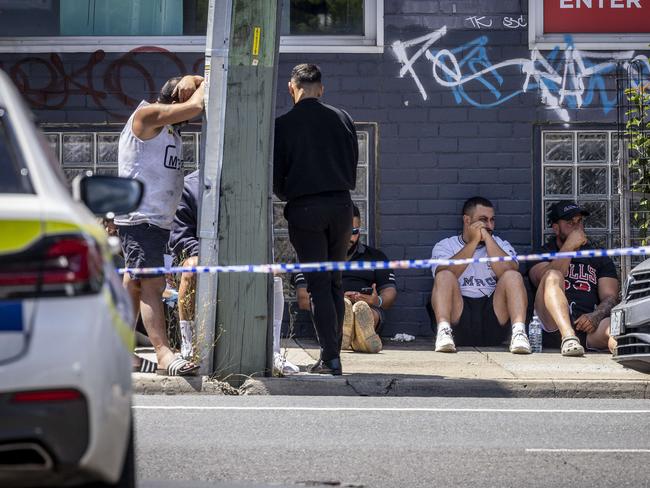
[[148, 120], [385, 284], [608, 289], [302, 295], [388, 296], [608, 296], [494, 249], [574, 241], [537, 272], [441, 251]]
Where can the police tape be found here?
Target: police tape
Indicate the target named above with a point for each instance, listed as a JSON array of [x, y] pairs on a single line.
[[372, 265]]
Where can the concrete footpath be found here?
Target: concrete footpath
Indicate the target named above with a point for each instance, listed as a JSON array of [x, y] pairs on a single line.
[[414, 369]]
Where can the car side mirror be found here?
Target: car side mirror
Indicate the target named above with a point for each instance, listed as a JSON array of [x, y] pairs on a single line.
[[105, 195]]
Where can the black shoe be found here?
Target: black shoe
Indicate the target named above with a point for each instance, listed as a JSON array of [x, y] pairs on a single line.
[[333, 367]]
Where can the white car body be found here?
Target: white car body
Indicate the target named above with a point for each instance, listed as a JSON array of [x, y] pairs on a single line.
[[80, 342]]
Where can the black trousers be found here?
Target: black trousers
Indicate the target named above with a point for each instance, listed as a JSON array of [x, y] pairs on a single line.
[[320, 227]]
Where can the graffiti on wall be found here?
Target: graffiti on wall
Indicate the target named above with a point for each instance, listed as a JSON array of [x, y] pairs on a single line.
[[566, 77], [509, 22], [48, 82]]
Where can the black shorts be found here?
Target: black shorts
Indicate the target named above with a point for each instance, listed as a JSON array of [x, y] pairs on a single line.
[[144, 246], [478, 324]]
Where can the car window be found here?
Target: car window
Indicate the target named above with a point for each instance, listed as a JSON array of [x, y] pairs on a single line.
[[14, 176]]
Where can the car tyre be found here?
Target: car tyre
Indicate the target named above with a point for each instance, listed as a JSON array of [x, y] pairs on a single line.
[[127, 477]]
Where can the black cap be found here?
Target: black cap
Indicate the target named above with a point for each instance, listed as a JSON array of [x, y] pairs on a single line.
[[565, 210]]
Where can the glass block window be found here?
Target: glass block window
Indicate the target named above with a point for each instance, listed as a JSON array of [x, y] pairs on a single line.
[[96, 152], [582, 166], [362, 196]]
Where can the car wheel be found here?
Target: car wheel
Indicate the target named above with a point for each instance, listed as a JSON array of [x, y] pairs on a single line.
[[127, 477]]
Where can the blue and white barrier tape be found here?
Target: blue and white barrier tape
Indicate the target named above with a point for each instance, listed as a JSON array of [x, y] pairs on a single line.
[[371, 265]]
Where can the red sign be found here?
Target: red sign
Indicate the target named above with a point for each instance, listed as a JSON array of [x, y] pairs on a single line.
[[597, 16]]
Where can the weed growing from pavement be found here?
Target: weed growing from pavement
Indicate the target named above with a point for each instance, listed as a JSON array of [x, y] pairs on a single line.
[[224, 380]]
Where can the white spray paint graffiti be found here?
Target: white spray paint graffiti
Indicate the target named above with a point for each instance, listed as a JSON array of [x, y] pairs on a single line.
[[483, 22], [399, 48], [567, 78]]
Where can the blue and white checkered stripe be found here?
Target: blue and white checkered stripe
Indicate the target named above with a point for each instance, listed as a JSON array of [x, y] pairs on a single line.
[[371, 265]]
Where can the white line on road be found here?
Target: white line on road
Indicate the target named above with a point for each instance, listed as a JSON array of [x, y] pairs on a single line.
[[386, 409], [591, 450]]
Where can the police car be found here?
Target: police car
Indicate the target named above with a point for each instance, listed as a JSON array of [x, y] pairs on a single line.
[[65, 339], [630, 321]]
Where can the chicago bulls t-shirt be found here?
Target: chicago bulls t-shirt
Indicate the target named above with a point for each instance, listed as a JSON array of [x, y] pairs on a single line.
[[581, 282]]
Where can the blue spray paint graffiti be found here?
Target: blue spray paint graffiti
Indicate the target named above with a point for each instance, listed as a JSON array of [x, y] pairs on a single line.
[[581, 82]]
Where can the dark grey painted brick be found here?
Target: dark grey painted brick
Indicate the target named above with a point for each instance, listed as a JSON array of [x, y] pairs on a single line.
[[438, 144], [432, 154]]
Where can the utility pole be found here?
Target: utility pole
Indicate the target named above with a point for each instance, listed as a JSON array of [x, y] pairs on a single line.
[[236, 200]]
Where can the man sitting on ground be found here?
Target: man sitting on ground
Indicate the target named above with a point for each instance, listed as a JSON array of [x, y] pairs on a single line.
[[574, 294], [368, 293], [477, 301]]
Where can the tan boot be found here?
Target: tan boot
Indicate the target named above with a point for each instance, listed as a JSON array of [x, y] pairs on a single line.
[[348, 326], [365, 338]]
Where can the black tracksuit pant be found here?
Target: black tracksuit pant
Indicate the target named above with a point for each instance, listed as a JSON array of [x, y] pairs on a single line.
[[320, 227]]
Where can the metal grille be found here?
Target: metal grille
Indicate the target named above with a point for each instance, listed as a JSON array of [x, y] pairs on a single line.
[[633, 119], [638, 286]]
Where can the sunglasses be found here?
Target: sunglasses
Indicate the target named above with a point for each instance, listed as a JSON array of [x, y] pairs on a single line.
[[355, 230]]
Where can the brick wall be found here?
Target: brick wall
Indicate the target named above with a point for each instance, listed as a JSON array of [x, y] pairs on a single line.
[[477, 138], [435, 153]]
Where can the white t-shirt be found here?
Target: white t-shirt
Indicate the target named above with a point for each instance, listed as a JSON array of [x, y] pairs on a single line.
[[157, 163], [478, 280]]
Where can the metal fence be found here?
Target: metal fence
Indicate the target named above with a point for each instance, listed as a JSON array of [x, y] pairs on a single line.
[[633, 134]]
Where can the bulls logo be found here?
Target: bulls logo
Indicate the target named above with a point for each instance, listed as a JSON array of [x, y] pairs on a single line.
[[578, 285], [581, 285]]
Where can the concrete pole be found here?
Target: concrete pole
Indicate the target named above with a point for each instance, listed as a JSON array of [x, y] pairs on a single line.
[[211, 158], [244, 317]]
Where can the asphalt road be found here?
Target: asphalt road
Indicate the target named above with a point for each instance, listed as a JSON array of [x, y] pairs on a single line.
[[205, 441]]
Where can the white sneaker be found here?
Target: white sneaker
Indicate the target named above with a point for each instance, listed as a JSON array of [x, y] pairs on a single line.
[[519, 343], [445, 341], [282, 366]]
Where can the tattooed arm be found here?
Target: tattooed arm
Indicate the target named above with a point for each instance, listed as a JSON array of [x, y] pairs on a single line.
[[608, 294]]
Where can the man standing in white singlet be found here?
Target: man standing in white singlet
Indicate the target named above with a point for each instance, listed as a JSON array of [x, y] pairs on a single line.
[[150, 151]]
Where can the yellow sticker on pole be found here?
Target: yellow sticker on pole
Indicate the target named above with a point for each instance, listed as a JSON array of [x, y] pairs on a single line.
[[257, 32]]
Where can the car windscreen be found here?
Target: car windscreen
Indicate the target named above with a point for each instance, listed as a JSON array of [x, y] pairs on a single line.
[[14, 175]]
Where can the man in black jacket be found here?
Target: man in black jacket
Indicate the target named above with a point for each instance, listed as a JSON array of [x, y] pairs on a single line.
[[368, 293], [314, 168], [184, 246]]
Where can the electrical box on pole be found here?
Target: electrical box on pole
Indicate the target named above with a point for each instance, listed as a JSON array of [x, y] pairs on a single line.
[[242, 163]]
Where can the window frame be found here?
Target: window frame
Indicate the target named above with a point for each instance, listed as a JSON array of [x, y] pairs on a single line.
[[372, 42], [597, 41]]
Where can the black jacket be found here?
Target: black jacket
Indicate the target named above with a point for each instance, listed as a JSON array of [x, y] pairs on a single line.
[[183, 239], [316, 151]]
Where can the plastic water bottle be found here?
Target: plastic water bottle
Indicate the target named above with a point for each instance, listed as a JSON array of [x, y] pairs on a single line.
[[535, 334]]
